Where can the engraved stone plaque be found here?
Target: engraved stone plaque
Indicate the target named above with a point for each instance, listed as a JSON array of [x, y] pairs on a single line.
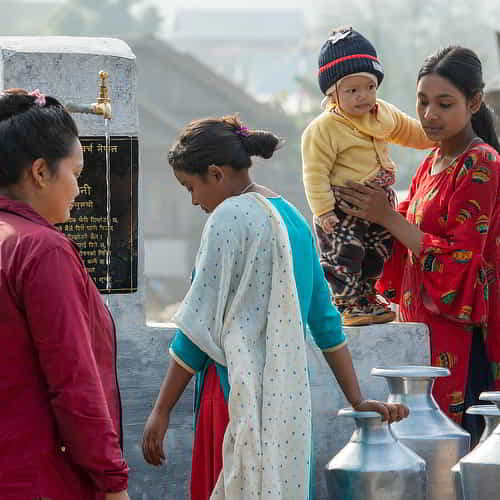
[[88, 226]]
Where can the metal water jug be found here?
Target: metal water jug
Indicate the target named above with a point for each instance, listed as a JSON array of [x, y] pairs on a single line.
[[374, 465], [457, 482], [479, 471], [491, 416], [427, 431]]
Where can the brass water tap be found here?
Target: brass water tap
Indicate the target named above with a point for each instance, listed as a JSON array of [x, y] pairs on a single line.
[[101, 107], [103, 104]]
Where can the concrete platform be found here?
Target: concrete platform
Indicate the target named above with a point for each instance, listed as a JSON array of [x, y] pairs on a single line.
[[144, 362]]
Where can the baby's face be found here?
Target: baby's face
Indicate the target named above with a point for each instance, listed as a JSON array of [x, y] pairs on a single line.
[[356, 95]]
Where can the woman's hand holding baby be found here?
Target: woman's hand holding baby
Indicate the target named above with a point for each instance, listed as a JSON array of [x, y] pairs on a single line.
[[369, 200]]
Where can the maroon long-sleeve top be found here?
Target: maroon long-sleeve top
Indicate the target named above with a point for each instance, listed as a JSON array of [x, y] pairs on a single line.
[[60, 423]]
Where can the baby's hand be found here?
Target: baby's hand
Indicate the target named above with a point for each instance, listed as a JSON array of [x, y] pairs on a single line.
[[328, 221]]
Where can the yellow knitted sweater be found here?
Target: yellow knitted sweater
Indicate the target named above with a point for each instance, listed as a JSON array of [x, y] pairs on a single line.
[[337, 147]]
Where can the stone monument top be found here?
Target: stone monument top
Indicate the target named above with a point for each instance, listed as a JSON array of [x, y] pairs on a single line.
[[64, 44]]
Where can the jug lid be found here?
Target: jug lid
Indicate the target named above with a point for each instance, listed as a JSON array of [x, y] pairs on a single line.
[[493, 396], [411, 371], [484, 410]]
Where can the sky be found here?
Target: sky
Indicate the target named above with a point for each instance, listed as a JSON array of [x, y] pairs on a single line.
[[168, 8], [226, 4], [230, 4]]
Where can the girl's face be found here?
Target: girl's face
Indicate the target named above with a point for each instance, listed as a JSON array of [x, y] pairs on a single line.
[[444, 111], [356, 95], [59, 190], [206, 192]]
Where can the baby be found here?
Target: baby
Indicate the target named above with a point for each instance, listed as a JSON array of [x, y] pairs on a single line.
[[349, 141]]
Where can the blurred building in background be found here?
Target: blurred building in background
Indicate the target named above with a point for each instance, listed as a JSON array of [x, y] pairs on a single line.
[[260, 50]]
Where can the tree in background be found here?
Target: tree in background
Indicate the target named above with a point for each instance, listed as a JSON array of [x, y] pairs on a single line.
[[105, 18]]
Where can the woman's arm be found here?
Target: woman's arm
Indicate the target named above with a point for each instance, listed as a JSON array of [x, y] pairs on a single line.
[[340, 362], [174, 383], [408, 234], [186, 360], [172, 387], [56, 304]]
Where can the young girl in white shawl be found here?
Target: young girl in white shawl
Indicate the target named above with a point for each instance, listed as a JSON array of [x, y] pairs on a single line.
[[257, 283]]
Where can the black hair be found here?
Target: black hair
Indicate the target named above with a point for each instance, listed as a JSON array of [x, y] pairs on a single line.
[[220, 141], [30, 128], [462, 67]]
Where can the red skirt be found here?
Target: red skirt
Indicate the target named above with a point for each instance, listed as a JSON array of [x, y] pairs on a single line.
[[211, 425]]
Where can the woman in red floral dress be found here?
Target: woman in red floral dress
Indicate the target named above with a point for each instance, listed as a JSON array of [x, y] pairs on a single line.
[[445, 269]]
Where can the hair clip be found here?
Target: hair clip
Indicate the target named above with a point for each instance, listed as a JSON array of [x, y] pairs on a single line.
[[243, 131], [39, 97]]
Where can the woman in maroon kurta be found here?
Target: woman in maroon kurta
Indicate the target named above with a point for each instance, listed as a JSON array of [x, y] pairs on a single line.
[[445, 270], [60, 427]]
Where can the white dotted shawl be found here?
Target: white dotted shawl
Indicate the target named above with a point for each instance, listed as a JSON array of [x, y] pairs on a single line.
[[242, 310]]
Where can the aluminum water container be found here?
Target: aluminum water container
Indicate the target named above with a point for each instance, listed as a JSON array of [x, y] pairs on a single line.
[[427, 431], [491, 416], [480, 469], [457, 481], [374, 465]]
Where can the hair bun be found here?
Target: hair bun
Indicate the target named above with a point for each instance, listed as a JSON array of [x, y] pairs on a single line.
[[13, 102], [260, 143]]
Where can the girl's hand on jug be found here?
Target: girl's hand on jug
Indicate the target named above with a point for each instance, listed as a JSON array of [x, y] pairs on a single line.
[[391, 412]]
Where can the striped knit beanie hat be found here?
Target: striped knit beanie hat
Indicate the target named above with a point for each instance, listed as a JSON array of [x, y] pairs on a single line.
[[344, 53]]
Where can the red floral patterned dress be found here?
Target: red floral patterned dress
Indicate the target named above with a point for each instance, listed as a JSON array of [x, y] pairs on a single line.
[[454, 285]]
